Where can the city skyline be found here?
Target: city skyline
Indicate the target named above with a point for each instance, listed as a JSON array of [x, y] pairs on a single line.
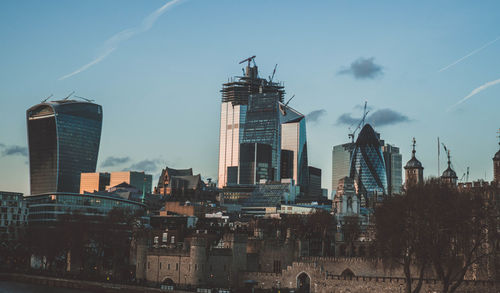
[[330, 60]]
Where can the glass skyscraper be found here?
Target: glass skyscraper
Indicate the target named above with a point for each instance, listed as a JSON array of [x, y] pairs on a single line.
[[341, 162], [368, 165], [235, 99], [394, 167], [63, 140]]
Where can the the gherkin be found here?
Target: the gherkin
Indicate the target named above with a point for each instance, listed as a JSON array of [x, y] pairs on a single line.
[[368, 165]]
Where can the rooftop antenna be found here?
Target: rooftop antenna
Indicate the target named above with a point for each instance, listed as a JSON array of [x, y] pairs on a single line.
[[47, 98], [88, 100], [274, 71], [69, 96], [360, 124]]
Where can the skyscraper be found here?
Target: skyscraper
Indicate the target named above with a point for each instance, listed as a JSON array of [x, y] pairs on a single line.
[[368, 165], [63, 140], [394, 167], [235, 99], [293, 140], [341, 162]]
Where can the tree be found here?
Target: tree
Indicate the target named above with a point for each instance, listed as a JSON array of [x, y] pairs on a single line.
[[351, 231], [437, 225]]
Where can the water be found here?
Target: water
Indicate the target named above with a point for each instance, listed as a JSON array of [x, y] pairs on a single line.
[[15, 287]]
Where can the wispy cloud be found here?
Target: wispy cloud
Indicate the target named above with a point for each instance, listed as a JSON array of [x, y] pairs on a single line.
[[13, 150], [476, 91], [468, 55], [112, 43], [381, 117], [114, 161], [315, 116], [144, 165], [363, 68]]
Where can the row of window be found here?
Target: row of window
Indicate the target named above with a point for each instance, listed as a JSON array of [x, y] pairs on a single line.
[[202, 267]]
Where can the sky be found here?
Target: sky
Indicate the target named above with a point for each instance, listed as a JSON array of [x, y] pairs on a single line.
[[427, 69]]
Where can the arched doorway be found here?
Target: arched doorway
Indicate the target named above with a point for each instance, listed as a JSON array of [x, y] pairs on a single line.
[[347, 274], [167, 284], [303, 283]]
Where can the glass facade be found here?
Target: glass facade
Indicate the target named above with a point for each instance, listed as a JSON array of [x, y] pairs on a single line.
[[255, 163], [63, 139], [394, 167], [293, 138], [49, 207], [368, 164]]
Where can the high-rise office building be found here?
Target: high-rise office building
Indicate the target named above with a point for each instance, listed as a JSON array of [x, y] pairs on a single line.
[[314, 185], [394, 167], [341, 162], [368, 165], [63, 140], [256, 163], [293, 139], [235, 99]]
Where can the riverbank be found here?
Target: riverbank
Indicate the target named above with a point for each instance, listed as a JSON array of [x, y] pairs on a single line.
[[99, 287]]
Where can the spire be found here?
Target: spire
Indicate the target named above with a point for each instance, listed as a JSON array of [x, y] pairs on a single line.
[[413, 151], [449, 159], [498, 137]]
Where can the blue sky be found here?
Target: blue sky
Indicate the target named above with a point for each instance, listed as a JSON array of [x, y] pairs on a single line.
[[160, 88]]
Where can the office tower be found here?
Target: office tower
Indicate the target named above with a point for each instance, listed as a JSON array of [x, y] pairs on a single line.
[[368, 165], [314, 186], [90, 182], [139, 180], [413, 170], [256, 163], [262, 126], [235, 98], [63, 140], [286, 167], [394, 167], [293, 139], [341, 162]]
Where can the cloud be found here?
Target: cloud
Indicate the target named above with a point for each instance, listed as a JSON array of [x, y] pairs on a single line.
[[379, 118], [13, 150], [315, 116], [476, 91], [386, 116], [113, 161], [112, 43], [363, 69], [145, 165], [468, 55]]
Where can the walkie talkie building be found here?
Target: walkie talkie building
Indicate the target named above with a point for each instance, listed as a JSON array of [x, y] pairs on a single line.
[[63, 140]]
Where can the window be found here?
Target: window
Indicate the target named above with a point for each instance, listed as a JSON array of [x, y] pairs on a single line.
[[148, 265], [168, 267], [176, 266], [160, 266]]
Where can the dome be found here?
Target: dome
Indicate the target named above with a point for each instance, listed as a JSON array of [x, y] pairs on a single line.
[[449, 173], [497, 156], [367, 136], [413, 163]]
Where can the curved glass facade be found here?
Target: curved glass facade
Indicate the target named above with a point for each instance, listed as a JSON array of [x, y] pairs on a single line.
[[63, 139], [368, 165], [49, 207]]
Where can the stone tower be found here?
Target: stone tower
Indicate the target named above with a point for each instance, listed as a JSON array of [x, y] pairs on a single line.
[[449, 176], [414, 172]]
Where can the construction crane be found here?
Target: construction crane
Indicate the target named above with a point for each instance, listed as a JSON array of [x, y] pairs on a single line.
[[69, 96], [248, 60], [88, 100], [283, 108], [272, 76], [51, 95], [360, 124]]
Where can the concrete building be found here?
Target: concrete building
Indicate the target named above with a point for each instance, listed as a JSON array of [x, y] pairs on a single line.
[[341, 163], [91, 182], [13, 216], [139, 180], [413, 170], [63, 141]]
